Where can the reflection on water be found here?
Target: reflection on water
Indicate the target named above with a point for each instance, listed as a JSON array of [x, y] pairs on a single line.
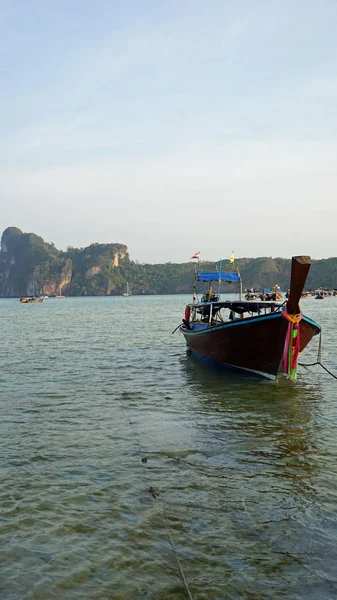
[[115, 441], [285, 415], [268, 440]]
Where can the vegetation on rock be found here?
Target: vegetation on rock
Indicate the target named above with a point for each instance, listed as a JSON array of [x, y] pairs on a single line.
[[31, 266]]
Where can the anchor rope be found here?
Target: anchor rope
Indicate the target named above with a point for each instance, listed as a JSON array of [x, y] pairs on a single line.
[[161, 506], [319, 359], [176, 555]]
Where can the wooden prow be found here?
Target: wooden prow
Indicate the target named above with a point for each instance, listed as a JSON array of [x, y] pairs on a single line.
[[300, 266]]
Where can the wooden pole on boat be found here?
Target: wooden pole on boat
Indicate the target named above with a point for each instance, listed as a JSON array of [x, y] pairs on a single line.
[[240, 285], [300, 266], [219, 281], [195, 295]]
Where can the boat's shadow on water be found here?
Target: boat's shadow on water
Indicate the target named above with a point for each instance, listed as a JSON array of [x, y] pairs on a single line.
[[259, 420], [233, 390]]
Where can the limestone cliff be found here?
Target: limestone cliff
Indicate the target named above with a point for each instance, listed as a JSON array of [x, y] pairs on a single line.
[[96, 269], [28, 266], [31, 266]]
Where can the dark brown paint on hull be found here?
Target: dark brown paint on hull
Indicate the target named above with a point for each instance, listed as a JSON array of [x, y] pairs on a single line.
[[254, 344]]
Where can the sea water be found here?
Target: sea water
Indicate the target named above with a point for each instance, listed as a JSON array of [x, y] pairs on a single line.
[[130, 470]]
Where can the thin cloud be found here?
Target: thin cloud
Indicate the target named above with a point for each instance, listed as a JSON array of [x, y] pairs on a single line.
[[164, 121]]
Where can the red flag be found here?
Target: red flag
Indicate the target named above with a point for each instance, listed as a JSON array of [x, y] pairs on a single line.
[[196, 255]]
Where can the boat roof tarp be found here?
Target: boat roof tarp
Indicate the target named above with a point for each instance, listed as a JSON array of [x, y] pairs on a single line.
[[218, 276]]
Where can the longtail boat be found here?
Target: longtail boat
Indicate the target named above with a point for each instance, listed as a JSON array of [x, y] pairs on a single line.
[[31, 299], [27, 299], [259, 337]]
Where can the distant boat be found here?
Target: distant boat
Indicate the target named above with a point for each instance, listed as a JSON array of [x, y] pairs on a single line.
[[259, 337], [31, 299], [60, 294], [27, 299], [127, 292]]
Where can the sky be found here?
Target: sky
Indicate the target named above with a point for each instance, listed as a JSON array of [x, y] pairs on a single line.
[[171, 127]]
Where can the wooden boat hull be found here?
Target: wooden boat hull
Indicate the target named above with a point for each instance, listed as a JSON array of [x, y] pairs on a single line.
[[254, 344]]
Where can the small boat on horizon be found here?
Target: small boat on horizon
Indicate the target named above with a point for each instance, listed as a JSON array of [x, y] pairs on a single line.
[[60, 294], [127, 291], [258, 337], [31, 299], [27, 299]]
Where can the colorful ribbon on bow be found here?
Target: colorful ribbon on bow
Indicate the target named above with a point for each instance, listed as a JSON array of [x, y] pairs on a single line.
[[291, 346]]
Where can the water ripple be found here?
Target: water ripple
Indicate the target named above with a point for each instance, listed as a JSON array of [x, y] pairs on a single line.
[[111, 435]]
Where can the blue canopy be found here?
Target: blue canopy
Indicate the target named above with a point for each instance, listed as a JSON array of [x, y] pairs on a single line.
[[218, 276]]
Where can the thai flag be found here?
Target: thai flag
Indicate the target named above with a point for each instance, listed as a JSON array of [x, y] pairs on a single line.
[[196, 255]]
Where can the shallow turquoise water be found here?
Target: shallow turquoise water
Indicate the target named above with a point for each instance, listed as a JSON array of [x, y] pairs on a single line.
[[121, 454]]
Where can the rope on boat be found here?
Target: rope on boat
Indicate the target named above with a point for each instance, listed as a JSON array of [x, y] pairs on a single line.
[[174, 330], [319, 359], [321, 365], [161, 505], [181, 571]]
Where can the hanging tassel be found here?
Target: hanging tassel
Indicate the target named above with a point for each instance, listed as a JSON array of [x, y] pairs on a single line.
[[291, 346]]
